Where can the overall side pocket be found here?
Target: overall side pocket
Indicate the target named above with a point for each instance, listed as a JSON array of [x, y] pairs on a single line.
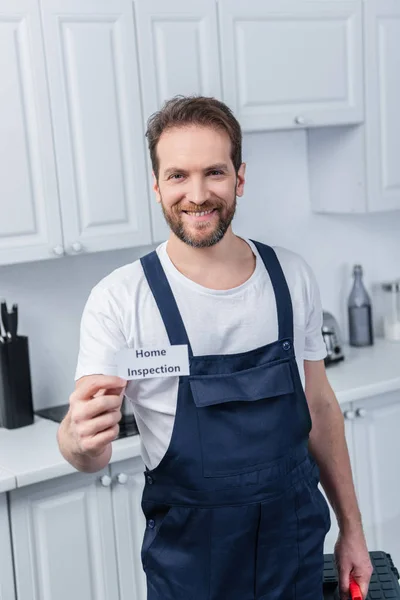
[[155, 516]]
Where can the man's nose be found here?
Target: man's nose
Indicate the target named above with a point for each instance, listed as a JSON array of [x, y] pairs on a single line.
[[198, 193]]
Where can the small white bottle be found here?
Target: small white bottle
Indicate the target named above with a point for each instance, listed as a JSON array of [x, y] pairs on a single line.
[[391, 320]]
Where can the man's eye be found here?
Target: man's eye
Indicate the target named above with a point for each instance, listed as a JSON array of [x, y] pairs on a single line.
[[176, 176], [216, 172]]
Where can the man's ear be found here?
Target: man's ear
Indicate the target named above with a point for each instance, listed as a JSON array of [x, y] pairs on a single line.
[[240, 180], [156, 189]]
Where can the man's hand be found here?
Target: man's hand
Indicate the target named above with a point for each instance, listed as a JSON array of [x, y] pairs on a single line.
[[352, 558], [91, 424]]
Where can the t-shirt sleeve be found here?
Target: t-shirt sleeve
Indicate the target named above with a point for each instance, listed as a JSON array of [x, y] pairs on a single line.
[[101, 335], [314, 345]]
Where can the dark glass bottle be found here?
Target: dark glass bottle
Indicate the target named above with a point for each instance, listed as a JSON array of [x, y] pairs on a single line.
[[360, 312]]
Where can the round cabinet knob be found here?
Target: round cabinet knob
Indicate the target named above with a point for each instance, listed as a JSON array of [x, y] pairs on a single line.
[[361, 412], [299, 120], [122, 478], [58, 250], [349, 415], [76, 247], [105, 480]]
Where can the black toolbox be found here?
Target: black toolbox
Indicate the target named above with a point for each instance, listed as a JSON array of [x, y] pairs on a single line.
[[384, 581]]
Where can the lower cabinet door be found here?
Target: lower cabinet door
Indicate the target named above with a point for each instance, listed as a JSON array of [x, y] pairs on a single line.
[[349, 416], [377, 454], [63, 539], [7, 589], [129, 525]]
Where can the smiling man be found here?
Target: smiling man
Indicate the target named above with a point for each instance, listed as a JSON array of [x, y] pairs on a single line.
[[233, 450]]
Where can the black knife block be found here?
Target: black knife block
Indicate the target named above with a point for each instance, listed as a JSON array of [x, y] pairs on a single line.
[[16, 405]]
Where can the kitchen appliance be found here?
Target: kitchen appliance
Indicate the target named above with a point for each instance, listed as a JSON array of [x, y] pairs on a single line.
[[127, 424], [332, 338], [16, 405]]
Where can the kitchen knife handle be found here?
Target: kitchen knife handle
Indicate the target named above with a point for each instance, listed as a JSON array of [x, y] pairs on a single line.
[[13, 321], [4, 317]]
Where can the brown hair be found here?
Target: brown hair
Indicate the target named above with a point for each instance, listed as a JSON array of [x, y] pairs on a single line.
[[194, 110]]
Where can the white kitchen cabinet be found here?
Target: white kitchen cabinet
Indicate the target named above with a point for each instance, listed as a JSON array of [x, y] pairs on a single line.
[[178, 55], [373, 182], [98, 130], [129, 523], [7, 589], [63, 539], [377, 457], [349, 415], [372, 434], [292, 63], [382, 93], [30, 227]]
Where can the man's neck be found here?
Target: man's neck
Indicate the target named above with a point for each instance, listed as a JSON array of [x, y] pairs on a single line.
[[222, 266]]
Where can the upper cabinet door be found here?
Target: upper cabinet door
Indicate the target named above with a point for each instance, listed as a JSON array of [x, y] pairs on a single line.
[[292, 63], [382, 76], [178, 54], [29, 213], [98, 127]]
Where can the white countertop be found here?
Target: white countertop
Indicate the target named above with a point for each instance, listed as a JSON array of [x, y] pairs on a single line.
[[7, 481], [30, 454], [366, 371]]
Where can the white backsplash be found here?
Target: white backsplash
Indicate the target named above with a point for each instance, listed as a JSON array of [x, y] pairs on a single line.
[[275, 209]]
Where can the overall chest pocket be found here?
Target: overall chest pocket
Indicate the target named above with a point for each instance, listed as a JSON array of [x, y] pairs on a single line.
[[246, 419]]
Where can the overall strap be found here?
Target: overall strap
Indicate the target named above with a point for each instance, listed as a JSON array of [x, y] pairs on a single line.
[[282, 294], [165, 300]]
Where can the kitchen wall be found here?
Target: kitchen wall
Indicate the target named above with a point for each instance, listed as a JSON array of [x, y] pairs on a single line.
[[275, 209]]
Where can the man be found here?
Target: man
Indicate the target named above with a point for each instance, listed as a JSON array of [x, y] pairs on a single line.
[[231, 499]]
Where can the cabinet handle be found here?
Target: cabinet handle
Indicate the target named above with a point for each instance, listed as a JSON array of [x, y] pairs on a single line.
[[299, 120], [105, 480], [58, 250], [122, 478], [76, 247], [361, 412], [349, 415]]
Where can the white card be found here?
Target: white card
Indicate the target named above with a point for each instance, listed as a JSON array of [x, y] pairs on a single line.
[[143, 363]]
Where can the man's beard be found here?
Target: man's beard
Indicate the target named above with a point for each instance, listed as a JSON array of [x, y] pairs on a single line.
[[175, 222]]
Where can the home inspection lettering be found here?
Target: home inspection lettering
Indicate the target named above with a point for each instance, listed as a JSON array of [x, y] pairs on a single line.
[[152, 371], [147, 353], [142, 363]]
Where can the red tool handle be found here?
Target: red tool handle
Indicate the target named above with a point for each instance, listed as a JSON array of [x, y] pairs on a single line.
[[355, 591]]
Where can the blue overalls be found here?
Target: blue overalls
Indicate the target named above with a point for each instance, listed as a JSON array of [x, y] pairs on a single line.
[[233, 509]]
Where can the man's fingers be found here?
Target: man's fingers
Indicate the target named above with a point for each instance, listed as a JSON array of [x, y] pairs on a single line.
[[109, 392], [344, 583], [363, 578], [100, 423], [364, 588], [95, 445], [88, 388], [97, 406]]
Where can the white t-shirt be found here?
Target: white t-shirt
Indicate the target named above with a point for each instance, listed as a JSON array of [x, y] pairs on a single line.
[[121, 313]]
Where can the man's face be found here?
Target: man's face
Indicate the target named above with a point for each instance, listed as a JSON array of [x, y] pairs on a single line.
[[197, 184]]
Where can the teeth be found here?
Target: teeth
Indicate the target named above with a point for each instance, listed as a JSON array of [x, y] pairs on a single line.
[[199, 214]]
